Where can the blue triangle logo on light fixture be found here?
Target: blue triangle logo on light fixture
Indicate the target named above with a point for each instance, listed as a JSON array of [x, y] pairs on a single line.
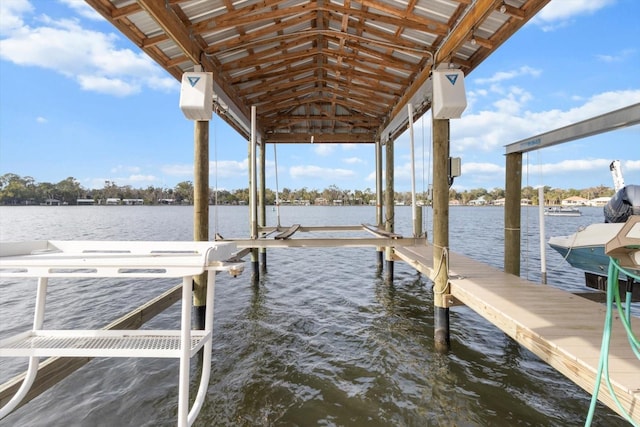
[[452, 78], [193, 80]]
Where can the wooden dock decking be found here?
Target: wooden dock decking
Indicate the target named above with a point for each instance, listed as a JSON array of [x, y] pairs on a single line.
[[562, 329]]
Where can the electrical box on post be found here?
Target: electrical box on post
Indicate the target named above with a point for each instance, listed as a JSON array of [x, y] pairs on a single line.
[[455, 167], [449, 96], [196, 95]]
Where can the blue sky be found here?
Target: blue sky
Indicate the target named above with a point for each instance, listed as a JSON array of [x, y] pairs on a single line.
[[78, 99]]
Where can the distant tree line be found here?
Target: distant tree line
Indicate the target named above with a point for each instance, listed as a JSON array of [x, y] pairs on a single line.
[[17, 190]]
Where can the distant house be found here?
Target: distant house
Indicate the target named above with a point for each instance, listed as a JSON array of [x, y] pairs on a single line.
[[599, 201], [454, 202], [113, 201], [133, 201], [499, 202], [85, 202], [480, 201], [574, 201]]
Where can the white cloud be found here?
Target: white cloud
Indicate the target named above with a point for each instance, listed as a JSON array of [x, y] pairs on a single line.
[[310, 171], [228, 168], [106, 85], [324, 149], [352, 160], [11, 12], [489, 130], [142, 178], [41, 119], [177, 170], [621, 56], [82, 8], [221, 169], [573, 166], [90, 57], [558, 13], [482, 168], [632, 165], [509, 75]]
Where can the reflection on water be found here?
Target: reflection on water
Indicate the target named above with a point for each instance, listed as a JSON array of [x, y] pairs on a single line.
[[322, 339]]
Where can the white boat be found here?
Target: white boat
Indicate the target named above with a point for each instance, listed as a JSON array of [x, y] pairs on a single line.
[[585, 249], [562, 211]]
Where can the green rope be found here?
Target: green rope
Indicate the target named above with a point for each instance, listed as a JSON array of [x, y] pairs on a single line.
[[613, 293]]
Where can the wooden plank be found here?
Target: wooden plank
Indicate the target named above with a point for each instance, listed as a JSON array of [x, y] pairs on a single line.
[[326, 242], [376, 231], [288, 232], [55, 369], [562, 329]]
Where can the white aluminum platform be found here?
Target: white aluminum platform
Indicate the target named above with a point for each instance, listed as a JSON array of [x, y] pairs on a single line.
[[155, 259]]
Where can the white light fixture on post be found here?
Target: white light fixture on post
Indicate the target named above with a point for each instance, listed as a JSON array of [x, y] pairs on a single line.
[[449, 96], [196, 95]]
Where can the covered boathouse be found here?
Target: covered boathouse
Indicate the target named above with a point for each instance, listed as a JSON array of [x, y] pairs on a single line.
[[361, 72]]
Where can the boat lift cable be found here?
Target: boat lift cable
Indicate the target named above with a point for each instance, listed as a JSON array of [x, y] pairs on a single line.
[[215, 175], [613, 295], [275, 161]]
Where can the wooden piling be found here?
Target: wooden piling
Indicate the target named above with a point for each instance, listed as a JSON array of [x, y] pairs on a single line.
[[262, 202], [441, 233], [389, 202], [200, 212], [513, 192], [379, 191], [253, 196]]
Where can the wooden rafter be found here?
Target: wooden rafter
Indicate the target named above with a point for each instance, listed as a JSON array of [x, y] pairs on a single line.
[[324, 67]]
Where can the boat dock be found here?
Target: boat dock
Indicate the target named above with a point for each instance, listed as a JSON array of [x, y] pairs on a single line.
[[563, 329]]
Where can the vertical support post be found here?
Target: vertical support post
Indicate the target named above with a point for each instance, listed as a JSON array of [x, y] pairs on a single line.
[[262, 201], [253, 195], [441, 233], [200, 213], [389, 201], [416, 225], [417, 221], [513, 194], [543, 245], [185, 353], [379, 220]]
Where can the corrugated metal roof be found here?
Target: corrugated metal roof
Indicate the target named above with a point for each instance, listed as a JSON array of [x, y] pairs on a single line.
[[340, 70]]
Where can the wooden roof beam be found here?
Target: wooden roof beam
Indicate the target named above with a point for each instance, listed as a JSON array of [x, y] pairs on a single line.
[[240, 17], [395, 17], [261, 36], [305, 138]]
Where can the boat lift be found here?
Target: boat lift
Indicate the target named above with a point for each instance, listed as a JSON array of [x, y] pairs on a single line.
[[117, 259]]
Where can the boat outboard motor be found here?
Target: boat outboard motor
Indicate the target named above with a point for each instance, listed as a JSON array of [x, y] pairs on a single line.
[[623, 204]]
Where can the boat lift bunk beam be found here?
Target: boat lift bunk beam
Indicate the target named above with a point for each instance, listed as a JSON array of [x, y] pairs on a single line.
[[618, 119]]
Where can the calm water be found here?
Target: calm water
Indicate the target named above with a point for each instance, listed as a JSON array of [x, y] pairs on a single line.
[[323, 340]]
